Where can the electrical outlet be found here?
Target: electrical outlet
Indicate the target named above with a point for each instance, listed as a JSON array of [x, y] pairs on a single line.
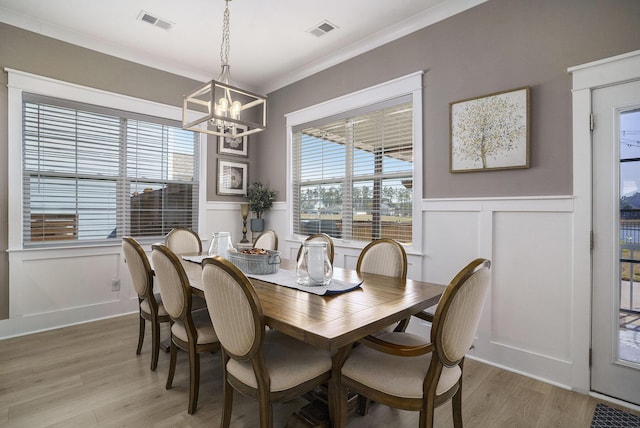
[[115, 284]]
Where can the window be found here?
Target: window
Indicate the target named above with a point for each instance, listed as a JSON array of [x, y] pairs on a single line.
[[93, 173], [353, 174], [355, 162]]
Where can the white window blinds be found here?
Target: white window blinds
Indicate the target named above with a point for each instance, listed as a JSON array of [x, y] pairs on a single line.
[[92, 174], [353, 174]]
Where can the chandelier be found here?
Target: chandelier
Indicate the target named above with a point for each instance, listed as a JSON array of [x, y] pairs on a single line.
[[224, 110]]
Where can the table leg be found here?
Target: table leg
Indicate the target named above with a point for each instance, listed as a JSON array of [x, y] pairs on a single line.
[[337, 394], [319, 413]]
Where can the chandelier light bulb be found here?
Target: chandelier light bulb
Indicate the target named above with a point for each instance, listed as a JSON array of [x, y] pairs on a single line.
[[236, 107], [223, 104]]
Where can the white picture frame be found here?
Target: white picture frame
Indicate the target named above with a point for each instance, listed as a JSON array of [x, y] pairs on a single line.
[[232, 178], [234, 146]]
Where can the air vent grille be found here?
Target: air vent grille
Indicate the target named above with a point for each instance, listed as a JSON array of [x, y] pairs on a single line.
[[154, 20], [322, 28]]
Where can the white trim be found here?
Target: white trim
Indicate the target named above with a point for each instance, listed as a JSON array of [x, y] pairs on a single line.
[[20, 81], [586, 78], [553, 203], [608, 71], [520, 372], [397, 87], [27, 82], [441, 11], [615, 401], [437, 13], [405, 85]]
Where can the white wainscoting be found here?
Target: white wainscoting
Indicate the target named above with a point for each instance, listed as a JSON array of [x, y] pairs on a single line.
[[528, 323], [55, 287]]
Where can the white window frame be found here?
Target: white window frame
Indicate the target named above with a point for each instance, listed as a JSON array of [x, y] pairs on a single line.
[[20, 82], [410, 84]]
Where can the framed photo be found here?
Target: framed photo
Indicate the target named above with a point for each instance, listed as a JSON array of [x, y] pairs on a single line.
[[490, 132], [233, 146], [232, 177]]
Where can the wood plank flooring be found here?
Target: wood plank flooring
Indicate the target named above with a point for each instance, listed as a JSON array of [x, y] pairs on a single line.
[[89, 376]]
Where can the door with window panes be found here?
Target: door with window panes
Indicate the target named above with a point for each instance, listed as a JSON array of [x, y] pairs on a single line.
[[615, 369]]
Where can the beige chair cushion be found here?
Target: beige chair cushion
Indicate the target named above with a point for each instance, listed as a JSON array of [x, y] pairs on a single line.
[[202, 322], [393, 375], [289, 362], [144, 306]]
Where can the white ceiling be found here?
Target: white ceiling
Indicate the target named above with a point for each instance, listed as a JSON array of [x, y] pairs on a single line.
[[270, 43]]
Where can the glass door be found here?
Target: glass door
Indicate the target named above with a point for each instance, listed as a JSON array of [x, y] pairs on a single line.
[[615, 369]]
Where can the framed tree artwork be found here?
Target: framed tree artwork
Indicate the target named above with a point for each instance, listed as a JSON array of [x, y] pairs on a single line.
[[490, 132], [232, 178]]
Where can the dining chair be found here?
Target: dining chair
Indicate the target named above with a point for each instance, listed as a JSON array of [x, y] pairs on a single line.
[[385, 257], [405, 371], [322, 237], [266, 365], [150, 306], [183, 240], [267, 240], [191, 331]]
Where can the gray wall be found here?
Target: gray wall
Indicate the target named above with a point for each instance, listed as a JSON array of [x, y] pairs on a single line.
[[26, 51], [499, 45], [496, 46]]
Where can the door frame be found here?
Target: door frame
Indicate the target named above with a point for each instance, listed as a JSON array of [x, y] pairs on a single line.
[[586, 78]]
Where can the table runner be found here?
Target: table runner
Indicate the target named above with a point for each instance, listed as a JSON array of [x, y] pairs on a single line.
[[287, 278]]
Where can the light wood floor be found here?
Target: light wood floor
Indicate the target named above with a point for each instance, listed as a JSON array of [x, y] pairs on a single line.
[[89, 376]]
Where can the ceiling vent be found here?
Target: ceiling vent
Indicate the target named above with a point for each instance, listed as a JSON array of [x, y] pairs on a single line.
[[322, 28], [154, 20]]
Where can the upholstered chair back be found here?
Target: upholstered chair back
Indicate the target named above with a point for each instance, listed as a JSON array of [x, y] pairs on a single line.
[[234, 308], [171, 280], [139, 267], [267, 240], [458, 313], [383, 257], [183, 240]]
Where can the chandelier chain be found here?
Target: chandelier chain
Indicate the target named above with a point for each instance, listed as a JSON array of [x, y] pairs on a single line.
[[226, 42]]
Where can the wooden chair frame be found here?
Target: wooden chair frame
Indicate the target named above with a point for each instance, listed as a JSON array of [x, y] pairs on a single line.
[[191, 345], [182, 230], [376, 242], [262, 393], [439, 360], [264, 234], [147, 294], [403, 324]]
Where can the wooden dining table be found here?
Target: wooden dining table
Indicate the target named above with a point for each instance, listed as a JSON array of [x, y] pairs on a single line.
[[334, 322]]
